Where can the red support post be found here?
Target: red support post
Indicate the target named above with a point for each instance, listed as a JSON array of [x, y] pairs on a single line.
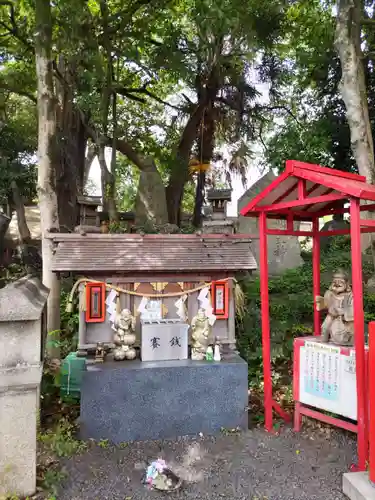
[[290, 223], [371, 392], [359, 337], [279, 207], [368, 223], [287, 193], [266, 332], [301, 189], [316, 273]]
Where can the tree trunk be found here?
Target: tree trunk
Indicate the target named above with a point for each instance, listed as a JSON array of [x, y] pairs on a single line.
[[353, 85], [23, 228], [47, 153], [206, 141], [72, 141], [199, 199], [90, 157], [151, 202], [108, 187], [353, 90], [175, 189], [180, 171]]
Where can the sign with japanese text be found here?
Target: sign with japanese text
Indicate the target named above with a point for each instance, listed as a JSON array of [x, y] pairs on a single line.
[[164, 341], [326, 377], [322, 370]]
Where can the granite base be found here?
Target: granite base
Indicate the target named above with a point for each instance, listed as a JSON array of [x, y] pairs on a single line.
[[357, 486], [138, 401]]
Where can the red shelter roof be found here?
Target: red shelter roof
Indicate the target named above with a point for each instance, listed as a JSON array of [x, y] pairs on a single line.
[[306, 190]]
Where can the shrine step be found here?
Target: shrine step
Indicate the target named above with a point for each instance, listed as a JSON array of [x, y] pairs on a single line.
[[138, 401], [357, 486]]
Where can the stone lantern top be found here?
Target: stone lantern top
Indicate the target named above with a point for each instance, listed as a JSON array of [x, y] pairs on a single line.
[[218, 199], [23, 300], [216, 220]]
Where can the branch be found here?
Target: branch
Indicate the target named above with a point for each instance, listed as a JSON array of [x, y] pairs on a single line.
[[272, 108], [22, 93], [122, 145], [368, 21], [287, 110], [369, 55], [127, 16], [187, 99], [227, 102], [132, 97], [127, 92], [260, 136]]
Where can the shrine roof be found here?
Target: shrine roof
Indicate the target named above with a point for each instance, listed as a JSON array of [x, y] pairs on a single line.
[[323, 189], [219, 194], [152, 253]]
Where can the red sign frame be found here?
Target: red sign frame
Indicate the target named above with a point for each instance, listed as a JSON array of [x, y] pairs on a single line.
[[222, 312], [99, 315]]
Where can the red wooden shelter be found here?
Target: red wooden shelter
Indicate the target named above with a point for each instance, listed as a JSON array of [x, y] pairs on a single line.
[[306, 192]]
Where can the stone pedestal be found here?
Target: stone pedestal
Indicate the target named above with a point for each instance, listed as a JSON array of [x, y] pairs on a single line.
[[19, 401], [138, 401], [357, 486], [21, 307]]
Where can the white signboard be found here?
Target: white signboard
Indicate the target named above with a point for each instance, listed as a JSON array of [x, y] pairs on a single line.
[[164, 341], [152, 311], [327, 378]]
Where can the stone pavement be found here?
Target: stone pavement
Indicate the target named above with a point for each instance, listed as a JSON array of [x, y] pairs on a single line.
[[249, 466]]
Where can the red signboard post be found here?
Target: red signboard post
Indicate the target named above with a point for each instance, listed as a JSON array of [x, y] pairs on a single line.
[[371, 379]]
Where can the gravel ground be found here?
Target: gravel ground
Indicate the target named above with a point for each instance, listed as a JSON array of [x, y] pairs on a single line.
[[250, 466]]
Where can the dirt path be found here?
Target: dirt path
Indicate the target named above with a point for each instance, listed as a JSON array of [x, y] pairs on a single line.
[[250, 466]]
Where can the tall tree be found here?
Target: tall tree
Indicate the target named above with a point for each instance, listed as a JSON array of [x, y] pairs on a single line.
[[350, 14], [47, 154], [173, 66]]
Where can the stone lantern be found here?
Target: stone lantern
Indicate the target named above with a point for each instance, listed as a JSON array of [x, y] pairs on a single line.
[[22, 306], [216, 220]]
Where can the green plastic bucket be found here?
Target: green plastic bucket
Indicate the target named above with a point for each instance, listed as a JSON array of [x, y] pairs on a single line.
[[71, 373]]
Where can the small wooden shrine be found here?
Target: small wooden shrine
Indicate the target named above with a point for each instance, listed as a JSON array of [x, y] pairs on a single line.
[[88, 210], [153, 272], [158, 293]]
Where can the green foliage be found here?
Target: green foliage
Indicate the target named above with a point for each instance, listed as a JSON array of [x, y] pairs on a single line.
[[11, 273], [50, 386], [151, 228], [51, 482], [61, 440], [69, 322], [291, 307], [17, 148], [306, 80]]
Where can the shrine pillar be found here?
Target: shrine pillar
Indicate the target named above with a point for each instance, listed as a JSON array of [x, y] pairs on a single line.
[[359, 329], [316, 273], [371, 379], [265, 312]]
